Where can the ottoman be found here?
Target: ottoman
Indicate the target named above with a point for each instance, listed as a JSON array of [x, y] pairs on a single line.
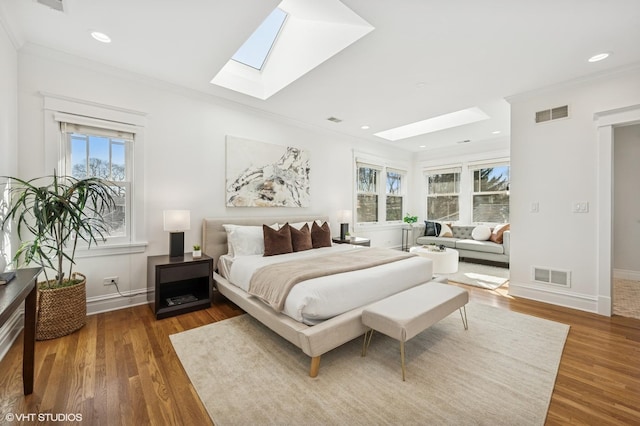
[[403, 315]]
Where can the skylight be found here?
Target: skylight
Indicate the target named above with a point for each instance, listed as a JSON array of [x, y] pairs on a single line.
[[255, 50], [314, 31], [441, 122]]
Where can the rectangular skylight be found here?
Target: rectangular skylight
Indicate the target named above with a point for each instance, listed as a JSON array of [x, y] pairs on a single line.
[[255, 50], [446, 121]]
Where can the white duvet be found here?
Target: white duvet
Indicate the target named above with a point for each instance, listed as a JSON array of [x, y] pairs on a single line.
[[315, 300]]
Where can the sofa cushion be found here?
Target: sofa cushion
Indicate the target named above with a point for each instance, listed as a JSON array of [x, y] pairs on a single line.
[[462, 232], [447, 242], [484, 246]]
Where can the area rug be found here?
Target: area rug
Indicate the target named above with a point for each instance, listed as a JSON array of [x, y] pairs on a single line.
[[501, 371], [479, 275], [626, 298]]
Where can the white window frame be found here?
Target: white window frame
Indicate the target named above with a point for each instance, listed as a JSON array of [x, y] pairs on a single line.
[[402, 194], [380, 172], [383, 166], [61, 109], [479, 166], [439, 171], [68, 129]]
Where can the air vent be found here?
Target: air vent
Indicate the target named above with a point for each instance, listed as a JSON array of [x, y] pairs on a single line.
[[552, 114], [53, 4], [552, 276], [335, 119]]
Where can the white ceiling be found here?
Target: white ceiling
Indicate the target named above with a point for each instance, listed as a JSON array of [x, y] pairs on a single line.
[[424, 58]]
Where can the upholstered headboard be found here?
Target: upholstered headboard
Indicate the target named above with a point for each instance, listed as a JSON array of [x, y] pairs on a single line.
[[214, 237]]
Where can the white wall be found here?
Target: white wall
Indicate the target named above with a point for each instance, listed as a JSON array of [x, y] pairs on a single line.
[[8, 163], [184, 155], [555, 164], [8, 124], [626, 217]]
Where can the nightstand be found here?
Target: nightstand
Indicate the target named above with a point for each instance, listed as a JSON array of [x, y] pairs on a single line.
[[357, 241], [179, 284]]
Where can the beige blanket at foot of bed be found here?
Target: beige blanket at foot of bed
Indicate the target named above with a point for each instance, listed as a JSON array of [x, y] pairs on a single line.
[[272, 283]]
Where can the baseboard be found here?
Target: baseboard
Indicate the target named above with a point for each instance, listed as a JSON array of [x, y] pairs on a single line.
[[10, 331], [555, 296], [623, 274], [114, 301]]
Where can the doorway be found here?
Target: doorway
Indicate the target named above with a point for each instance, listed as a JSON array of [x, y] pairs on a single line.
[[606, 122], [625, 291]]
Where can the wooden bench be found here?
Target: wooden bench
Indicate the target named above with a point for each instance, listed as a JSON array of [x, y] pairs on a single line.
[[406, 314]]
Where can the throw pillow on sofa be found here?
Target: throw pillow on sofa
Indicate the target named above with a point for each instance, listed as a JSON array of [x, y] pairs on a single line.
[[497, 234], [481, 233], [432, 229], [445, 231]]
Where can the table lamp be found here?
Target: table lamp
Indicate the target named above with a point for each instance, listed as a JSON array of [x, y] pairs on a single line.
[[176, 222], [344, 216]]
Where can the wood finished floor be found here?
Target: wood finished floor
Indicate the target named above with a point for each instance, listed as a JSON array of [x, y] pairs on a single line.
[[121, 368]]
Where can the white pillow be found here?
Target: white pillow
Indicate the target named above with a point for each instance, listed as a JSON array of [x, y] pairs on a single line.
[[481, 233], [245, 240]]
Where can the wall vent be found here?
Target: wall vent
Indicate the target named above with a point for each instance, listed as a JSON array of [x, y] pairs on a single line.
[[552, 276], [53, 4], [552, 114]]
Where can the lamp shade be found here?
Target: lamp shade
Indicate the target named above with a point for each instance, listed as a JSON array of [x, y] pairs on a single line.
[[344, 216], [177, 220]]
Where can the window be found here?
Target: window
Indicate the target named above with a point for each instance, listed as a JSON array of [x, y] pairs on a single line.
[[367, 205], [255, 50], [106, 154], [380, 193], [394, 195], [491, 194], [443, 195]]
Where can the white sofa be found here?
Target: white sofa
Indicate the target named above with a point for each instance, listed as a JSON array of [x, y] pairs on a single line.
[[466, 246]]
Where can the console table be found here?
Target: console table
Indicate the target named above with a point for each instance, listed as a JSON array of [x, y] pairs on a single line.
[[23, 288]]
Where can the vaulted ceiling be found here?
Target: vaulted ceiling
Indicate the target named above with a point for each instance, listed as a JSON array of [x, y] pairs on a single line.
[[424, 58]]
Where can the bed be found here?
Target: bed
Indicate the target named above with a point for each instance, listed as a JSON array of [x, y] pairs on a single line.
[[318, 333]]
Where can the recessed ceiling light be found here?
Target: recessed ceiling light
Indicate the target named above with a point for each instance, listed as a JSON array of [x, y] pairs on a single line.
[[101, 37], [599, 57], [496, 132], [365, 127], [422, 146]]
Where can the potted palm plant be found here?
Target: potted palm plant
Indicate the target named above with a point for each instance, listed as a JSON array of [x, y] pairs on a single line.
[[54, 213]]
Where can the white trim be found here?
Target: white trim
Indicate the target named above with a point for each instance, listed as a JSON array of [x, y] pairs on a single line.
[[605, 122], [87, 108], [11, 330], [556, 296], [623, 274], [111, 249], [114, 302]]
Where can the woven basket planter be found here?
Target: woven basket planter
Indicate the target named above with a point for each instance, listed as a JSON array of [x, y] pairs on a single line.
[[61, 311]]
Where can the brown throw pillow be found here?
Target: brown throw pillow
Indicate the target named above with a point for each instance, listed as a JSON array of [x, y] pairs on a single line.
[[496, 234], [277, 242], [320, 235], [301, 240]]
